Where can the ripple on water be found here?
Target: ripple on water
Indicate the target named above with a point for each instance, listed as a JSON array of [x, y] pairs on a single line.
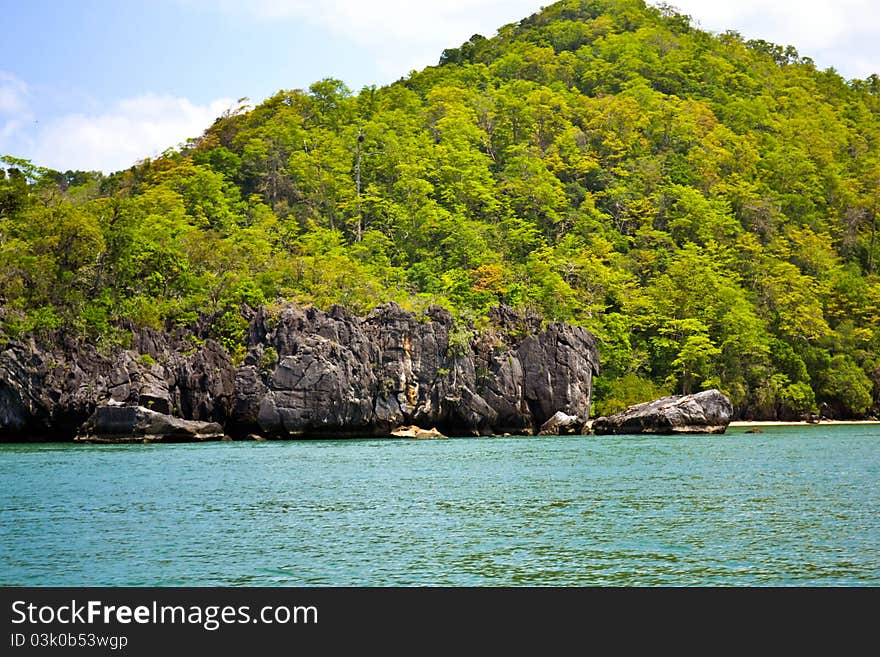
[[791, 507]]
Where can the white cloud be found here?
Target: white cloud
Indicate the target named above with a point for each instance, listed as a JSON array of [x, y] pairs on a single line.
[[14, 110], [406, 34], [402, 35], [843, 34], [13, 94], [128, 131], [106, 138], [400, 20]]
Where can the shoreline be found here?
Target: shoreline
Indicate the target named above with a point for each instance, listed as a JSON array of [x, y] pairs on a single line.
[[780, 423]]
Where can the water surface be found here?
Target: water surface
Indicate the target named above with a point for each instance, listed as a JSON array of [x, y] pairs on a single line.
[[791, 506]]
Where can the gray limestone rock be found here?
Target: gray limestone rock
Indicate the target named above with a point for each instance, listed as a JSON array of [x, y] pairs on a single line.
[[308, 372], [562, 424], [708, 411], [115, 423]]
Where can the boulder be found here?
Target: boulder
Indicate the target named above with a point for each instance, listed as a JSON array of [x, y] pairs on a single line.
[[562, 424], [416, 432], [708, 411], [115, 423]]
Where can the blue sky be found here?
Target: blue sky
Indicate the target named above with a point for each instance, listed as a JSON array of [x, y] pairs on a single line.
[[99, 84]]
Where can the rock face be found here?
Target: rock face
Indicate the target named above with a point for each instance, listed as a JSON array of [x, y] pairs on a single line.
[[708, 411], [47, 392], [339, 374], [313, 373], [116, 423]]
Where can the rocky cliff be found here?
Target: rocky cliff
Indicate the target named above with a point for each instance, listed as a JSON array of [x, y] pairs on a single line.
[[312, 373]]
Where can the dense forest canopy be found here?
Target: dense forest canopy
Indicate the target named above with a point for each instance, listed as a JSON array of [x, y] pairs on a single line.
[[705, 204]]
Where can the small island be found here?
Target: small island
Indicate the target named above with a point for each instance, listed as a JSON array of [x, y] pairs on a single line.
[[599, 186], [537, 315]]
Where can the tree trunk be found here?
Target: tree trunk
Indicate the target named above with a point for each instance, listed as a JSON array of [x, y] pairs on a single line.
[[873, 241]]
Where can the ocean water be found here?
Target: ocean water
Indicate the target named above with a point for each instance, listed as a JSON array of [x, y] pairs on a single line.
[[791, 506]]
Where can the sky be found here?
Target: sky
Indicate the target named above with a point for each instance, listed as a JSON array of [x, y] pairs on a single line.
[[100, 84]]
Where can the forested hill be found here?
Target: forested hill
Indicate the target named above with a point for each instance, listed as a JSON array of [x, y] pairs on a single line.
[[705, 204]]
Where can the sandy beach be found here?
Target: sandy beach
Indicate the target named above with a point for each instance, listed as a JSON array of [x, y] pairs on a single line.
[[776, 423]]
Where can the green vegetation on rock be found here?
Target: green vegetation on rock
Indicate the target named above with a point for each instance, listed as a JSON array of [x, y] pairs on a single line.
[[705, 204]]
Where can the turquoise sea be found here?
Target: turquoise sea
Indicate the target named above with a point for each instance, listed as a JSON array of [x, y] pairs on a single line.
[[791, 506]]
